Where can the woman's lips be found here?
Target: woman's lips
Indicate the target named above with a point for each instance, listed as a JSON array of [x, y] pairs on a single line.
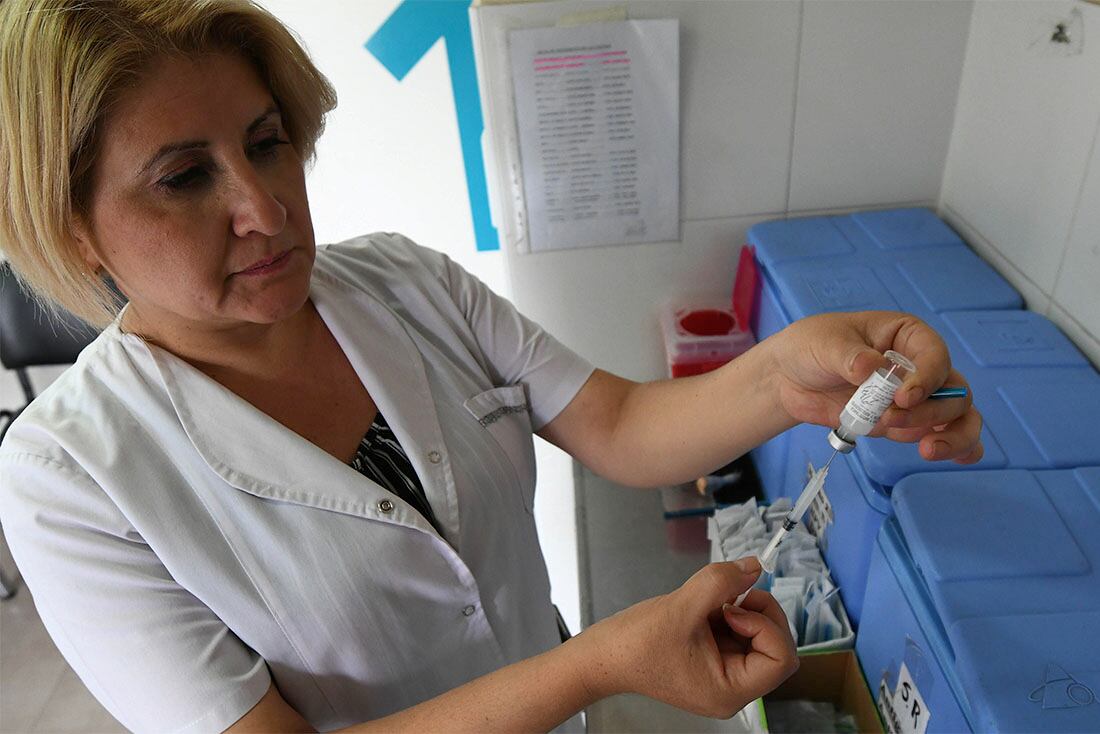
[[267, 265]]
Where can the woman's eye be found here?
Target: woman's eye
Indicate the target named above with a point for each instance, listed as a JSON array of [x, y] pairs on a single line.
[[189, 178], [197, 176], [268, 147]]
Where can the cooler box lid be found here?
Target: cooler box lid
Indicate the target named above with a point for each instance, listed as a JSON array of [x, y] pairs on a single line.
[[1033, 418], [1010, 561], [894, 229], [1038, 395], [1048, 673], [1058, 414], [956, 279], [797, 239], [807, 288], [1013, 339], [981, 525], [922, 262], [888, 462]]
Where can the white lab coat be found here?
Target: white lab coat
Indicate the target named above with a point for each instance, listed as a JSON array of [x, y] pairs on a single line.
[[184, 549]]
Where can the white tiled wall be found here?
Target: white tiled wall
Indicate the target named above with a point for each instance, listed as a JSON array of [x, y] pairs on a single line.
[[786, 107], [1022, 179], [877, 83], [736, 115], [608, 311], [1077, 289]]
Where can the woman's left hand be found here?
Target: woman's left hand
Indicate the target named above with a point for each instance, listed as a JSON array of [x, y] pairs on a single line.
[[822, 359]]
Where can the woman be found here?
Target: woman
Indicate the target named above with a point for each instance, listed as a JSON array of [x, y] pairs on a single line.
[[290, 487]]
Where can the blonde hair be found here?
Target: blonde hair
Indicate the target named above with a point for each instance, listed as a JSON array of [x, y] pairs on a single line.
[[62, 63]]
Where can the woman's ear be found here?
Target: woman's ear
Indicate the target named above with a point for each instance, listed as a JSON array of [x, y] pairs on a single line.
[[81, 233]]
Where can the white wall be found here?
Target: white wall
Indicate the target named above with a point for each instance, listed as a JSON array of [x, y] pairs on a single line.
[[786, 108], [389, 158], [1022, 181]]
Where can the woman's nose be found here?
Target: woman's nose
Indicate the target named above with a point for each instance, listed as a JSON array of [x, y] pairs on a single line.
[[256, 209]]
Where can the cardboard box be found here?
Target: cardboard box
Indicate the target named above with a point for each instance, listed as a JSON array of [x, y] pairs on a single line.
[[831, 676]]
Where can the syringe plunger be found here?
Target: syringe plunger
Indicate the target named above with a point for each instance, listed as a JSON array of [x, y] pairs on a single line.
[[813, 486], [770, 553]]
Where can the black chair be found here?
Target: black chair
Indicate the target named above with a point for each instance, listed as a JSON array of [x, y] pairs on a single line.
[[31, 337]]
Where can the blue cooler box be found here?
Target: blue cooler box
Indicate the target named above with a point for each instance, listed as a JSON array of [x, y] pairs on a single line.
[[1039, 398], [898, 259], [1036, 391], [986, 586]]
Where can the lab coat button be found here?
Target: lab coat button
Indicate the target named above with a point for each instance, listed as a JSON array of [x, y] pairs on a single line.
[[468, 610], [435, 457], [385, 506]]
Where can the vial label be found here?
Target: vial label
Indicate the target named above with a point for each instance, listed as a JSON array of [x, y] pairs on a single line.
[[872, 399]]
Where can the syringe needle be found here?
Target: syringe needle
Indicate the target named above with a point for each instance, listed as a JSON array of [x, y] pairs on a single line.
[[830, 461]]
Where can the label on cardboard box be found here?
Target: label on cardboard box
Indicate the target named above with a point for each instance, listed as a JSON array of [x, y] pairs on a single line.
[[903, 710]]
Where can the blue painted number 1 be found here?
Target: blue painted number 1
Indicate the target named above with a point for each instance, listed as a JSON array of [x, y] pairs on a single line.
[[402, 41]]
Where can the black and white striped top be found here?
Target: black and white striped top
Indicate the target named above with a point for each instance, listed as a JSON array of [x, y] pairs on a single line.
[[381, 458]]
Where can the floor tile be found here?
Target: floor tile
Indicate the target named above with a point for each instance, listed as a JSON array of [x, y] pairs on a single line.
[[72, 709]]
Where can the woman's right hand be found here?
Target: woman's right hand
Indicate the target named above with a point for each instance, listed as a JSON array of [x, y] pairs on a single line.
[[692, 648]]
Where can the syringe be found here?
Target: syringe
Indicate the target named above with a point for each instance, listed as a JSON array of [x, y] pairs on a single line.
[[809, 493], [771, 551], [859, 416]]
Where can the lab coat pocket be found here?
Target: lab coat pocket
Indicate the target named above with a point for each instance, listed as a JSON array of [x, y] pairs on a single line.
[[505, 413]]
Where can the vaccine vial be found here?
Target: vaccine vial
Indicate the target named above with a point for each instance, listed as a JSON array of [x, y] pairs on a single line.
[[870, 401]]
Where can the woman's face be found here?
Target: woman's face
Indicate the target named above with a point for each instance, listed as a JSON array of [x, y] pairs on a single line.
[[195, 188]]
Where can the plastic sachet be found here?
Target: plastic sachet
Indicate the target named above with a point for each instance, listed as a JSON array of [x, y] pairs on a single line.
[[801, 583], [732, 518], [742, 531], [744, 545], [802, 562], [822, 619], [790, 592]]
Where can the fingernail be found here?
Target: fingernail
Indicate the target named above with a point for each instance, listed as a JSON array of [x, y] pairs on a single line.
[[940, 449], [748, 565], [732, 609]]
